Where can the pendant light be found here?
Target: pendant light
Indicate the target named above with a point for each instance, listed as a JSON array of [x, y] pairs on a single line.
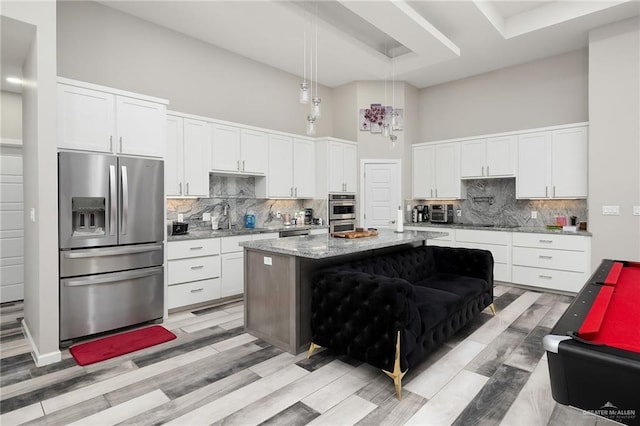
[[316, 100], [304, 86], [311, 125]]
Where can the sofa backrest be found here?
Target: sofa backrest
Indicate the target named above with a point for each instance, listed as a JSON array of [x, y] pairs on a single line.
[[412, 264]]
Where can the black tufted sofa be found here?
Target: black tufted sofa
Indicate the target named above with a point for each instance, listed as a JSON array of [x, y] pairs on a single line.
[[391, 310]]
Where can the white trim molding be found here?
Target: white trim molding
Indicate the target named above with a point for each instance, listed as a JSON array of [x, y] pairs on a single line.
[[40, 359]]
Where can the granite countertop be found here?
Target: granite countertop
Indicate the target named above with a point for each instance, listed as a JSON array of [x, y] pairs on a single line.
[[507, 228], [199, 234], [324, 246]]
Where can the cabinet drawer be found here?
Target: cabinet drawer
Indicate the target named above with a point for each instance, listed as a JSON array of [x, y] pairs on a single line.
[[563, 242], [500, 253], [548, 278], [501, 272], [550, 259], [193, 292], [192, 248], [197, 268], [267, 236], [484, 237], [230, 244]]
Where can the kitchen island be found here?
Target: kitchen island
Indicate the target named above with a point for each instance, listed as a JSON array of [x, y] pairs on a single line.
[[277, 279]]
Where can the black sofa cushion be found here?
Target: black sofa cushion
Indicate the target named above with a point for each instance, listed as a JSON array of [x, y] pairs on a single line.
[[463, 286]]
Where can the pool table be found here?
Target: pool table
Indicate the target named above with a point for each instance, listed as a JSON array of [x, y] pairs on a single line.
[[594, 349]]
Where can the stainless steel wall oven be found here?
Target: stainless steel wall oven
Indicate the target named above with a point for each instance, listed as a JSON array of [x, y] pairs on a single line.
[[342, 212]]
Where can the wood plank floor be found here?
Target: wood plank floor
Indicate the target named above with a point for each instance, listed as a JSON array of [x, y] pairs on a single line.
[[493, 372]]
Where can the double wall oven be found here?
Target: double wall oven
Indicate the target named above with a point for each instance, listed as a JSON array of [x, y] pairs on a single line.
[[342, 212], [111, 238]]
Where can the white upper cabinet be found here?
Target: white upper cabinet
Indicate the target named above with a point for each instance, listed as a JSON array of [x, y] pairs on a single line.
[[96, 118], [225, 148], [238, 151], [280, 176], [291, 172], [304, 168], [436, 171], [336, 166], [553, 164], [491, 157], [187, 162]]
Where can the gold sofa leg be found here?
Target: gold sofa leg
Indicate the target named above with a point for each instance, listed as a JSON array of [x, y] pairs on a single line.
[[493, 309], [312, 347], [396, 374]]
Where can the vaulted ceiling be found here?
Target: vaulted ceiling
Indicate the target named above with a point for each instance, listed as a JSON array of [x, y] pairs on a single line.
[[422, 42]]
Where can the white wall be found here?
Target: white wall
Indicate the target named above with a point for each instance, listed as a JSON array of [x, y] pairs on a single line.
[[614, 139], [40, 179], [537, 94], [345, 111], [10, 115], [105, 46]]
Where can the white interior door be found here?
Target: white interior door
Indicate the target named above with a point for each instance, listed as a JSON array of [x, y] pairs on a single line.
[[11, 225], [382, 194]]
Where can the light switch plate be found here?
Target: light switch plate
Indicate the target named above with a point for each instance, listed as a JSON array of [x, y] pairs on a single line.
[[534, 214], [206, 217], [611, 210], [636, 210], [268, 260], [180, 217]]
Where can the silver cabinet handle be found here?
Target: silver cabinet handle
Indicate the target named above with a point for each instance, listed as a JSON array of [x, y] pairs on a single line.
[[111, 143], [243, 165], [120, 143], [546, 277], [554, 191], [238, 165], [296, 191], [112, 200], [195, 290], [546, 191], [180, 187], [436, 192], [545, 257], [112, 278], [291, 191], [487, 170], [187, 188], [115, 251], [125, 200], [482, 171], [196, 248], [431, 192], [546, 241], [197, 267]]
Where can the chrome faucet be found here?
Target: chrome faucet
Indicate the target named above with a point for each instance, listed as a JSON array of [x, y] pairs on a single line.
[[227, 212]]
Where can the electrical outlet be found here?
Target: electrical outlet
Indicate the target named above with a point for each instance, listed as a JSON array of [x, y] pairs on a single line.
[[534, 214], [636, 210], [610, 210], [180, 217], [206, 217], [268, 261], [278, 215], [408, 207], [458, 212]]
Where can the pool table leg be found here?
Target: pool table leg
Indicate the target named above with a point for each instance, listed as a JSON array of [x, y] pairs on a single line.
[[493, 309]]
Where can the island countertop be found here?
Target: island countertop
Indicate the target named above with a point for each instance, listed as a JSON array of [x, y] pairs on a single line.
[[325, 246]]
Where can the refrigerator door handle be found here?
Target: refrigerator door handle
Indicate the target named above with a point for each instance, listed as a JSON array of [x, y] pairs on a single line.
[[116, 251], [111, 278], [112, 199], [125, 200]]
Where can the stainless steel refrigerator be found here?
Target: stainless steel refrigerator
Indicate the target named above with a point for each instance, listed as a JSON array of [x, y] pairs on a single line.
[[111, 238]]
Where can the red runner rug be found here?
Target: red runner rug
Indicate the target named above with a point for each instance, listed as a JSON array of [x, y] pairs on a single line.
[[120, 344]]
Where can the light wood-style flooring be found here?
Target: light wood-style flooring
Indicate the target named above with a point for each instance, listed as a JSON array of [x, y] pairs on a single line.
[[493, 372]]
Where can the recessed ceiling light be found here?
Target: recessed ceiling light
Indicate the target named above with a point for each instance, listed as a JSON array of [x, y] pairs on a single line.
[[14, 80]]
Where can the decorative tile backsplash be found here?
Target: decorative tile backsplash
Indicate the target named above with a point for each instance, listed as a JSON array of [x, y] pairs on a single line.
[[493, 201], [239, 193]]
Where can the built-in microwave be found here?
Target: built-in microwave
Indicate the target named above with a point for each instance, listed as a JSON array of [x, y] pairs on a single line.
[[342, 207], [342, 225]]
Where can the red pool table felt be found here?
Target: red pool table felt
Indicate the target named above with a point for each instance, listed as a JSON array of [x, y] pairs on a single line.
[[614, 317]]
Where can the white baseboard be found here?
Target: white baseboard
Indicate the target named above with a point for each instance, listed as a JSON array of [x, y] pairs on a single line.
[[40, 359]]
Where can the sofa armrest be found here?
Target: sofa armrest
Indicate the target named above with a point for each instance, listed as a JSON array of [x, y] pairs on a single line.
[[360, 314], [464, 261]]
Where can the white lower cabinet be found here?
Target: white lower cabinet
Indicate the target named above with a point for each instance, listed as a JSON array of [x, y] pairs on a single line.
[[193, 271], [556, 262], [497, 242], [232, 258]]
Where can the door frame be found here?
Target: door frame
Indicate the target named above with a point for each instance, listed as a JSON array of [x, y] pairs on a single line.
[[362, 192]]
